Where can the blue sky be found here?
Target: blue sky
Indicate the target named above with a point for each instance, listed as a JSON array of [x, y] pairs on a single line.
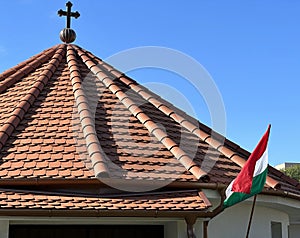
[[250, 48]]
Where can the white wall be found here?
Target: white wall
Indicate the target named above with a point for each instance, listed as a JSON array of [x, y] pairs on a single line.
[[176, 229], [233, 222], [294, 231], [4, 227]]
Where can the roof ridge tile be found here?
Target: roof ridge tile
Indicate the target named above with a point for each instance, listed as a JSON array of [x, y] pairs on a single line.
[[92, 143]]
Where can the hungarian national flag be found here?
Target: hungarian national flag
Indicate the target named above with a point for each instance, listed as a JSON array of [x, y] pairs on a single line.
[[252, 178]]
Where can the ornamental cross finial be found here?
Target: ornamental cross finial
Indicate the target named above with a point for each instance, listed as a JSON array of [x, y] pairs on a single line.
[[68, 13]]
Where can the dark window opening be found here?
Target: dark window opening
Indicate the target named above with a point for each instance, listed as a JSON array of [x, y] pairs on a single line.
[[276, 229], [86, 231]]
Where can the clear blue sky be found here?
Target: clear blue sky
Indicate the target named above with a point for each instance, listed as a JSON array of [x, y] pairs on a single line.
[[250, 48]]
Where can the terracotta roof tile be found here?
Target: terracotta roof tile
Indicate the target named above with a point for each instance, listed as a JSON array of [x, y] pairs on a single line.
[[136, 111], [47, 130], [179, 201]]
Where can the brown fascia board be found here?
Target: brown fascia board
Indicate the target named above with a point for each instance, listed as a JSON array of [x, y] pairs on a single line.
[[173, 185], [42, 182], [222, 187], [101, 183], [103, 213]]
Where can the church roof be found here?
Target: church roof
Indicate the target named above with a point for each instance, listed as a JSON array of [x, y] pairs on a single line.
[[71, 123]]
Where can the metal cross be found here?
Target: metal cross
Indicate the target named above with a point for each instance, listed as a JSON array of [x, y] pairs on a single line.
[[68, 13]]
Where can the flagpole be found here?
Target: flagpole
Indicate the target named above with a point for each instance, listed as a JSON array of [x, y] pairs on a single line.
[[251, 216], [205, 226]]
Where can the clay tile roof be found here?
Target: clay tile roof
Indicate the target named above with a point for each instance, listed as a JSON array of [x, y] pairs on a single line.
[[172, 201], [66, 115]]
